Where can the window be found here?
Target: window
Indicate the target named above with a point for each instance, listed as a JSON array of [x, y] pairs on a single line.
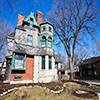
[[43, 62], [30, 40], [19, 61], [17, 77], [43, 29], [50, 29], [50, 42], [43, 41], [50, 62]]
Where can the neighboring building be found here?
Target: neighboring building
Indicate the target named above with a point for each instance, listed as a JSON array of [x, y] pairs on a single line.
[[30, 54], [90, 68]]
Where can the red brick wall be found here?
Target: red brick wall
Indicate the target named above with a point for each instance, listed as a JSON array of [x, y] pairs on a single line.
[[20, 20], [28, 75], [39, 17]]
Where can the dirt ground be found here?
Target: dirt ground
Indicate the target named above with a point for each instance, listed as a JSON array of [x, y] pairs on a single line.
[[72, 91]]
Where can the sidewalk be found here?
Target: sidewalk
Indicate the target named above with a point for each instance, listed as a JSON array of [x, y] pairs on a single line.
[[89, 82]]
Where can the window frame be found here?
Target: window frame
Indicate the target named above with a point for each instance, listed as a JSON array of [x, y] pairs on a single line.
[[50, 62], [50, 29], [49, 42], [43, 63], [43, 28], [30, 40], [13, 62], [43, 41]]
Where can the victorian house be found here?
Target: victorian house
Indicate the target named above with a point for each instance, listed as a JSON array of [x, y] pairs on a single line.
[[30, 55]]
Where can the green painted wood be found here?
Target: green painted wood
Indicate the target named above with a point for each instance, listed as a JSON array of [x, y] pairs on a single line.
[[47, 36], [27, 19]]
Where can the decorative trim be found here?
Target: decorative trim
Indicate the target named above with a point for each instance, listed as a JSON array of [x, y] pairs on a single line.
[[20, 28], [13, 62], [9, 37], [26, 45]]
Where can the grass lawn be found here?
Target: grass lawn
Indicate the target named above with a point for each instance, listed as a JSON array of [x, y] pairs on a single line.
[[36, 93]]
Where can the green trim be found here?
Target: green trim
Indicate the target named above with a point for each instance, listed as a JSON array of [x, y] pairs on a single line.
[[13, 62], [43, 63], [32, 28], [26, 45], [47, 36], [20, 28], [50, 61], [25, 61], [27, 19], [20, 77], [32, 40], [9, 37], [46, 23]]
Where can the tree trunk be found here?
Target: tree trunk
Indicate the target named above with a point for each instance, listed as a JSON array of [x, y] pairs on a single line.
[[71, 68]]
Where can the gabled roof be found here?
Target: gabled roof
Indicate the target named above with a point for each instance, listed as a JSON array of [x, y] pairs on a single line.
[[89, 61], [27, 19]]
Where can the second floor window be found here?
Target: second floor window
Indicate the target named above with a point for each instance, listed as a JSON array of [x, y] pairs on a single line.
[[49, 42], [30, 40]]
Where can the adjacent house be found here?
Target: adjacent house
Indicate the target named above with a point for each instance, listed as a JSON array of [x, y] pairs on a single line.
[[90, 68], [30, 55]]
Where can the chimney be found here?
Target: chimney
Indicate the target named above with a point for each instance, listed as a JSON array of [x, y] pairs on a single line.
[[39, 17], [20, 20]]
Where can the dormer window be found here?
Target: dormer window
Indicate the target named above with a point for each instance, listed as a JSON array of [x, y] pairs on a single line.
[[50, 29]]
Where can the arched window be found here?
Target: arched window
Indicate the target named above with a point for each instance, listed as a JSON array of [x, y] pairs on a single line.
[[43, 41], [50, 42]]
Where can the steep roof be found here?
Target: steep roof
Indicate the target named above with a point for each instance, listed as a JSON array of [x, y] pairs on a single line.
[[46, 22], [27, 19], [12, 34], [89, 61]]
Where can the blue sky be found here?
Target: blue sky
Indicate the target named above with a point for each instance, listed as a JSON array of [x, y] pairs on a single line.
[[27, 6]]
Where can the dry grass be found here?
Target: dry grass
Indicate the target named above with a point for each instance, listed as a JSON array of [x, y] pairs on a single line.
[[42, 94]]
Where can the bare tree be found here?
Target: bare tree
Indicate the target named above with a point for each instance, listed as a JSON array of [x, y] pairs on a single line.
[[72, 19], [5, 30], [63, 58], [13, 4], [81, 54], [95, 49]]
